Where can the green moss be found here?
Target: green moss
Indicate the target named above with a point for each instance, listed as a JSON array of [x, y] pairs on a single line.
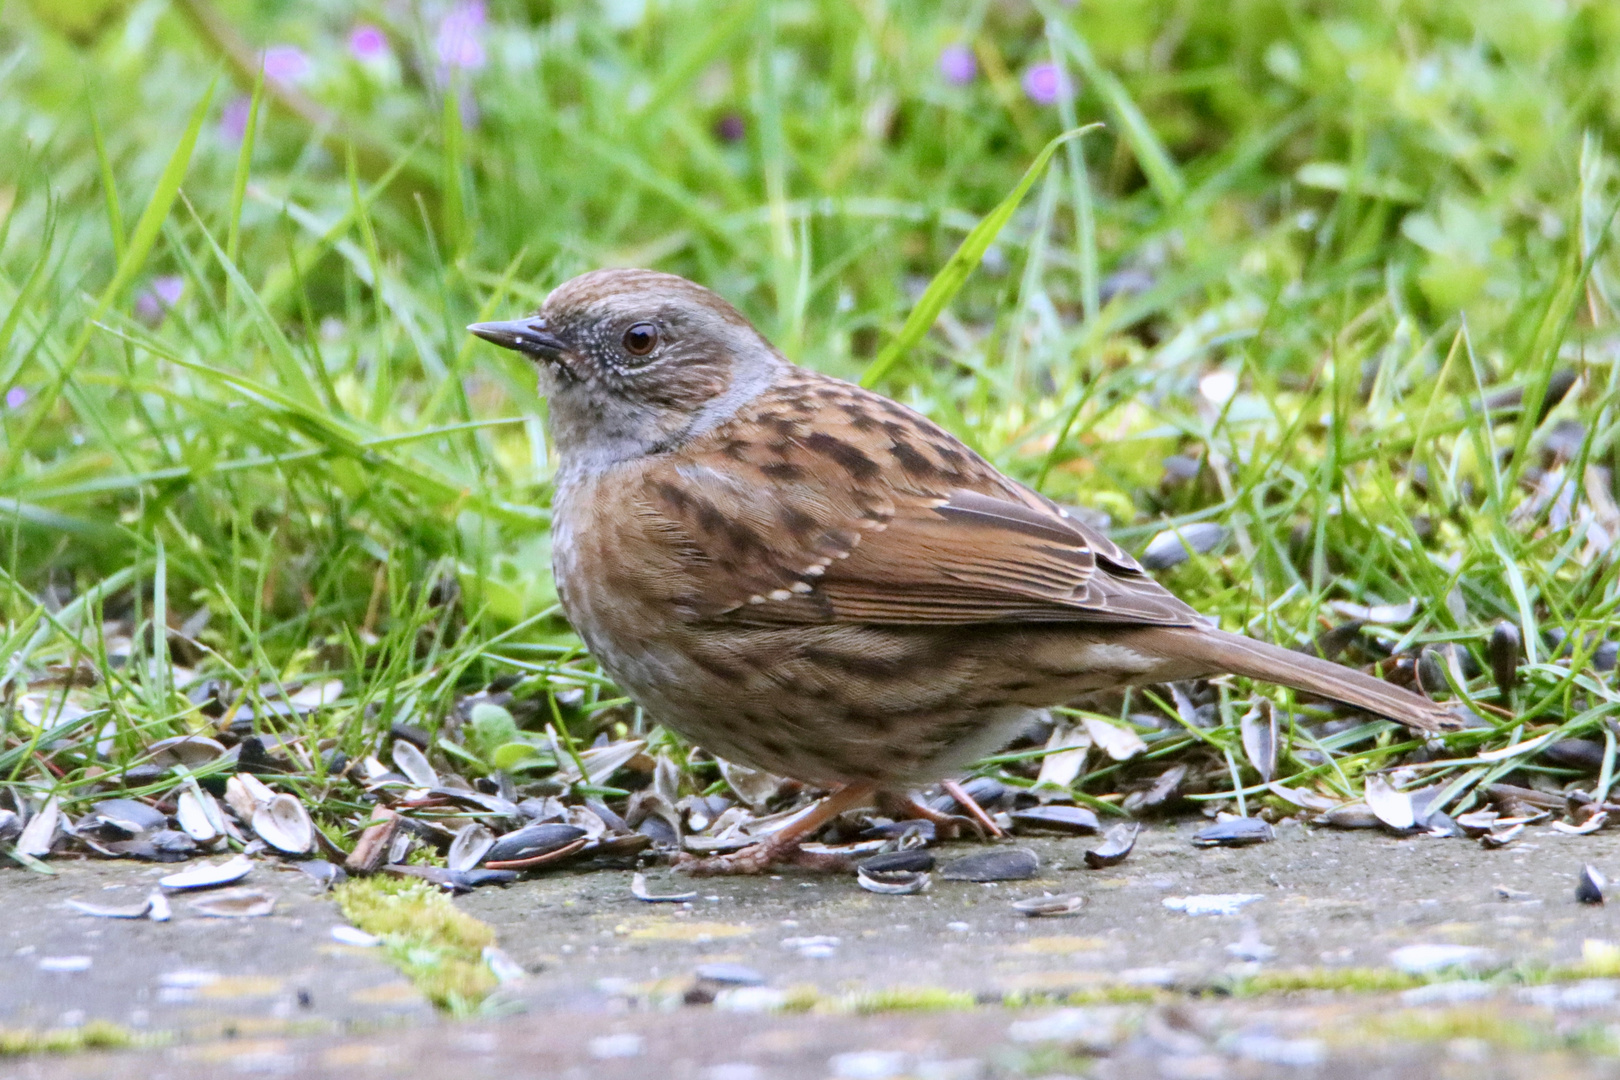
[[438, 946], [96, 1035], [909, 999], [1114, 994], [1363, 980]]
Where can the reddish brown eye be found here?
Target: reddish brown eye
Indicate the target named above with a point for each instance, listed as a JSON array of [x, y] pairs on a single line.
[[640, 339]]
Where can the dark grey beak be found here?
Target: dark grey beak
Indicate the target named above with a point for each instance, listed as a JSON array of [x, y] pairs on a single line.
[[527, 336]]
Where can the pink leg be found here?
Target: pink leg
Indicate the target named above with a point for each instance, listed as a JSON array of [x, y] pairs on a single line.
[[782, 846], [975, 811]]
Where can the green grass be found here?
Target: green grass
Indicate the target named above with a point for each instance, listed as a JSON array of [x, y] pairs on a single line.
[[1368, 220]]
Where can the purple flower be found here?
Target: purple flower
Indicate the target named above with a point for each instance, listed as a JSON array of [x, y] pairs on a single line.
[[16, 397], [957, 65], [287, 65], [368, 43], [1046, 84], [233, 118], [460, 40], [163, 294], [730, 128]]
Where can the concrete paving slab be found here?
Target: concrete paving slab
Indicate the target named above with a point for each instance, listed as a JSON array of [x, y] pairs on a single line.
[[190, 977]]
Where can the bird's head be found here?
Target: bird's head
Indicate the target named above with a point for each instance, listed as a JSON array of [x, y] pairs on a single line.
[[636, 362]]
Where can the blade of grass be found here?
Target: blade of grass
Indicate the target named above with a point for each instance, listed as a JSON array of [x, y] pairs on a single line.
[[954, 274]]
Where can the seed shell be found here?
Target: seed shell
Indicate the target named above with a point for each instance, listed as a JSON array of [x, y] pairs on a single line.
[[1004, 864], [1117, 844]]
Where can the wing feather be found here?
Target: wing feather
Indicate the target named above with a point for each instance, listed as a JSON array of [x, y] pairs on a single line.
[[821, 502]]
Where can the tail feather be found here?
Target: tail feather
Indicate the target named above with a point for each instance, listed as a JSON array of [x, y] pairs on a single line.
[[1257, 660]]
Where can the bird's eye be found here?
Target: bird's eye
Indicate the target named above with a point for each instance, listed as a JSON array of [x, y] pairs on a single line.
[[640, 339]]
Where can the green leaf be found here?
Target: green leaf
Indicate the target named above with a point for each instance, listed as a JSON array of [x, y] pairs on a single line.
[[949, 281], [518, 755]]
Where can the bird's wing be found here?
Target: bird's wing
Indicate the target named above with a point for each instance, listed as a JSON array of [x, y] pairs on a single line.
[[822, 502]]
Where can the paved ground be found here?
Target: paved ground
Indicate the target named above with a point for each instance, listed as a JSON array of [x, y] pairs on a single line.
[[611, 989]]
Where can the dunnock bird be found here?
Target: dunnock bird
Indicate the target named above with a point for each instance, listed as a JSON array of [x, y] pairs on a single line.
[[804, 576]]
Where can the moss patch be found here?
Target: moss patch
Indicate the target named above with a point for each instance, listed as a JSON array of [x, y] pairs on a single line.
[[96, 1035], [438, 946]]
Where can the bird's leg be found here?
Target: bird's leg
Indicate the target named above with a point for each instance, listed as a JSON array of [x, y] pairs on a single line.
[[911, 808], [971, 805], [782, 845]]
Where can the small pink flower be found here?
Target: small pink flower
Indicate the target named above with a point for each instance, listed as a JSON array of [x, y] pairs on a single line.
[[460, 40], [287, 65], [957, 65], [16, 397], [159, 297], [234, 117], [1046, 84], [368, 43]]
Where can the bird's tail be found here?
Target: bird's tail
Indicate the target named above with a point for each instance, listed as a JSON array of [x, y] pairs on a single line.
[[1221, 651]]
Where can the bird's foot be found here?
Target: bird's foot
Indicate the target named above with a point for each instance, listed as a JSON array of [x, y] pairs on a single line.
[[761, 858]]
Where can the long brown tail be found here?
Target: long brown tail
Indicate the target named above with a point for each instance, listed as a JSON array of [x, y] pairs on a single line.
[[1222, 651]]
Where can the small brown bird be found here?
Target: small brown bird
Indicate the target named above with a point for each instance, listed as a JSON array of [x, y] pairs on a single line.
[[804, 576]]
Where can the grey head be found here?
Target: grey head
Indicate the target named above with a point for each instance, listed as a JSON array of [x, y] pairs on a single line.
[[637, 362]]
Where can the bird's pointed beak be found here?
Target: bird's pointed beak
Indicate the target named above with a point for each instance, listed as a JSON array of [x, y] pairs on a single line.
[[528, 336]]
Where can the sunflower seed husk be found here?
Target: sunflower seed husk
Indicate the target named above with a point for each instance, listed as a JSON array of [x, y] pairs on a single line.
[[1385, 614], [1503, 651], [400, 849], [1050, 907], [893, 882], [1590, 825], [245, 793], [1431, 672], [1175, 546], [130, 816], [756, 787], [1066, 750], [535, 861], [199, 816], [1116, 740], [166, 845], [112, 911], [1117, 844], [467, 850], [158, 907], [1585, 754], [725, 973], [1072, 820], [284, 824], [1394, 808], [371, 850], [532, 840], [40, 832], [1303, 798], [414, 764], [1502, 837], [1590, 885], [188, 750], [235, 904], [1355, 815], [1235, 832], [326, 873], [638, 889], [1005, 864], [1478, 822], [911, 860], [1259, 730], [209, 875], [353, 935]]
